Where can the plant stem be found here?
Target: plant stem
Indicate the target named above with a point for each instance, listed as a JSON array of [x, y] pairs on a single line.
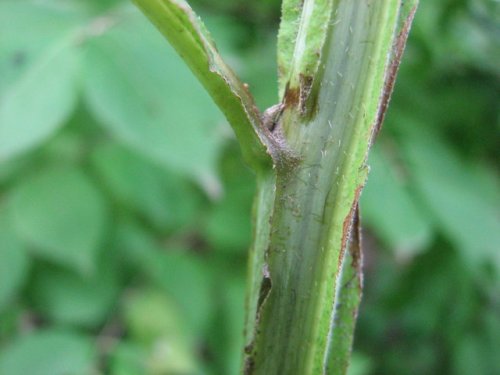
[[328, 125]]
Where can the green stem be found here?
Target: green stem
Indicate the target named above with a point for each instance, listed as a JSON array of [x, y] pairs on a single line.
[[328, 123], [258, 285], [187, 34], [347, 301]]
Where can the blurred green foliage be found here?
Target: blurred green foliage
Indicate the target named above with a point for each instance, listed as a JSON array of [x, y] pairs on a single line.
[[125, 207]]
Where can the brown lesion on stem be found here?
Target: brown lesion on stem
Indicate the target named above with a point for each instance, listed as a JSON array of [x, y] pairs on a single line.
[[355, 246], [265, 288], [306, 86], [349, 224], [397, 53], [301, 97], [291, 97]]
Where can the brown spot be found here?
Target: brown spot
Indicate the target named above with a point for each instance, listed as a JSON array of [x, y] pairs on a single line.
[[291, 96], [265, 288], [300, 97], [347, 226], [306, 83], [355, 242], [249, 348], [249, 366]]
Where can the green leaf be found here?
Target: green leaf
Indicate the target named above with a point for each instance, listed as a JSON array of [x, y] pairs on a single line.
[[391, 210], [260, 72], [145, 97], [473, 355], [9, 322], [224, 335], [164, 199], [182, 275], [231, 35], [69, 298], [128, 359], [464, 208], [235, 207], [360, 364], [233, 305], [50, 352], [62, 215], [150, 314], [14, 261], [185, 277], [153, 320], [39, 65]]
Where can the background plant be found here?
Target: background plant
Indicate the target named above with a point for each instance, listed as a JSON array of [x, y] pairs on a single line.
[[103, 222]]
